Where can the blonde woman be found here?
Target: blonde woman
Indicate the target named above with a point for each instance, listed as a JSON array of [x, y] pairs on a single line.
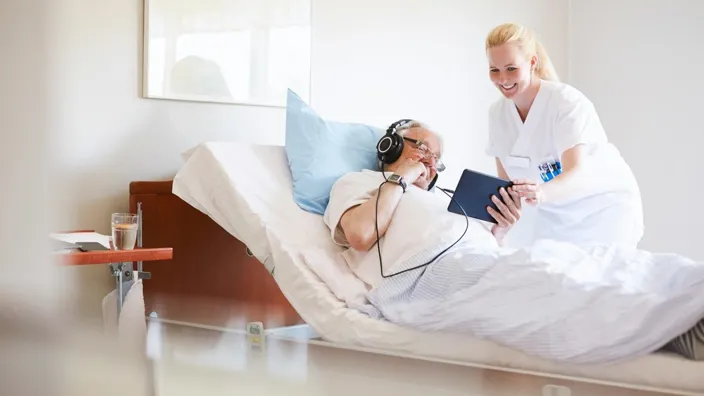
[[547, 138]]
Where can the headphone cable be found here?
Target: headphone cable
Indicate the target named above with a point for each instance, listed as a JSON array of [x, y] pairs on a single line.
[[376, 224]]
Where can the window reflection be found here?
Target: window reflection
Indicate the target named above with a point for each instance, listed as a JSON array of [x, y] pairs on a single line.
[[228, 52]]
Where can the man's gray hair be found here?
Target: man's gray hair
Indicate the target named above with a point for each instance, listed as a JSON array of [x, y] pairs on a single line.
[[403, 130]]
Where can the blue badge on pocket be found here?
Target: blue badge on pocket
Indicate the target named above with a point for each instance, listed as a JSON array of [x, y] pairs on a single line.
[[549, 170]]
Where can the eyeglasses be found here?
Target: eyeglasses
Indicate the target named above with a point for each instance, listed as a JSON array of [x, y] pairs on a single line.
[[427, 153]]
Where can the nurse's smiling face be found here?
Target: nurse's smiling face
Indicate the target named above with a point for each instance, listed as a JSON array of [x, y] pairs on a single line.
[[510, 69]]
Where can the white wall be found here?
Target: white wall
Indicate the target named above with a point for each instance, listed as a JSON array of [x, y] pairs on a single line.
[[640, 62], [107, 135], [412, 58], [373, 61], [381, 60]]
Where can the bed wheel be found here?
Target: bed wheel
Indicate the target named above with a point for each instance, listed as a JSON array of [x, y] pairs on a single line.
[[248, 252]]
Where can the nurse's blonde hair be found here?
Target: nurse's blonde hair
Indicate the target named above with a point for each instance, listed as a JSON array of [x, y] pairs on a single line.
[[524, 38]]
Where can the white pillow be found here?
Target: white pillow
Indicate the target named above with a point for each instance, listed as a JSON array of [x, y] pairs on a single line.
[[186, 155]]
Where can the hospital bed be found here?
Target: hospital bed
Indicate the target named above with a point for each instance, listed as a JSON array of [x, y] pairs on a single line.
[[230, 216]]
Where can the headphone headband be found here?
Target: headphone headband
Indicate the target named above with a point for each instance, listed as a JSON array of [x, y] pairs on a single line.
[[396, 125]]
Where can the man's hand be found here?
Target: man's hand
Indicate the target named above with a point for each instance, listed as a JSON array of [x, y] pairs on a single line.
[[509, 212], [411, 170]]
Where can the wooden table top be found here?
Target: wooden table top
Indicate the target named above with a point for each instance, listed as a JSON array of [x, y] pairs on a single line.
[[114, 256], [77, 257]]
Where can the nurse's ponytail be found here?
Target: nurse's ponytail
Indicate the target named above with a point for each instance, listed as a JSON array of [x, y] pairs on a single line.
[[544, 69], [511, 33]]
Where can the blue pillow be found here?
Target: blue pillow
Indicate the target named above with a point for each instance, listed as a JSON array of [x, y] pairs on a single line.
[[320, 152]]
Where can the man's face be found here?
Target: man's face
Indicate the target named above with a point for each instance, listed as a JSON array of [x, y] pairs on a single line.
[[427, 151]]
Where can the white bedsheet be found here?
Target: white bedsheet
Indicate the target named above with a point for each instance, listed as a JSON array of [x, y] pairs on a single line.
[[246, 189]]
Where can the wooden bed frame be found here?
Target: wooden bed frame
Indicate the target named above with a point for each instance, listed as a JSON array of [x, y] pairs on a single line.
[[211, 280]]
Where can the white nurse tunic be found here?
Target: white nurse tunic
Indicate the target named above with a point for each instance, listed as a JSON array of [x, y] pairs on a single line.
[[607, 209]]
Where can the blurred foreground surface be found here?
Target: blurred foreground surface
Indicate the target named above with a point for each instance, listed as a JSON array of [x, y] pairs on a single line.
[[199, 359]]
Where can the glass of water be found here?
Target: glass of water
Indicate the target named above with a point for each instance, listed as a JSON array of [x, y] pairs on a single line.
[[124, 230]]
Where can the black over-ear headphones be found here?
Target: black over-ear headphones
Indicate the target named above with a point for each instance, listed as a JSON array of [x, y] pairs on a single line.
[[390, 146]]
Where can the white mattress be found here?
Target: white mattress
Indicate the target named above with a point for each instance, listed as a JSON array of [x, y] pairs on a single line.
[[246, 189]]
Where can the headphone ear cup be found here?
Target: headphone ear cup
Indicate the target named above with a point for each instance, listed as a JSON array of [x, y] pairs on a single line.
[[395, 150], [383, 147], [389, 148]]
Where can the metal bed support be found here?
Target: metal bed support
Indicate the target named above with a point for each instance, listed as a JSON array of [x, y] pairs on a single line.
[[124, 271]]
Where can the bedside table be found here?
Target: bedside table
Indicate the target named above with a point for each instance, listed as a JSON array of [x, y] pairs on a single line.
[[77, 257], [120, 261]]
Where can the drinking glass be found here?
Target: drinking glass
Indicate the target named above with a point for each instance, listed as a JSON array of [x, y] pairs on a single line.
[[124, 230]]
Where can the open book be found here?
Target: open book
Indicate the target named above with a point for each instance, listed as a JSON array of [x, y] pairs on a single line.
[[58, 245]]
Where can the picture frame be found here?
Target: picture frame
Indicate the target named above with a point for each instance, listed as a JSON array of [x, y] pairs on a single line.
[[245, 52]]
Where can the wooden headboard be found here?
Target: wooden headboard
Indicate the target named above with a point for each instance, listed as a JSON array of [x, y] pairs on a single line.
[[211, 278]]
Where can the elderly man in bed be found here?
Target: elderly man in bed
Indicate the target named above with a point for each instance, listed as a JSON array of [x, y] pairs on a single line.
[[428, 262], [412, 221]]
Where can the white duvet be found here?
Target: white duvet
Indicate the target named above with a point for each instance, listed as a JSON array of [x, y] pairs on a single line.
[[247, 190], [555, 300]]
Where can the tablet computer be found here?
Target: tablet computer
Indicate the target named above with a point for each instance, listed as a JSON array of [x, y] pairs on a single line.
[[474, 192]]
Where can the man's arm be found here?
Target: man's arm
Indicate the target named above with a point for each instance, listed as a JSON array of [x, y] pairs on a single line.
[[359, 222]]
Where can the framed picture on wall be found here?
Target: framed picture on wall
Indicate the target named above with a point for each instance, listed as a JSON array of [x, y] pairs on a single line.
[[227, 51]]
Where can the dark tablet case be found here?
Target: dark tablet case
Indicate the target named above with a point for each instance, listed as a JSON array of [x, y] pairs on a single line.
[[474, 192]]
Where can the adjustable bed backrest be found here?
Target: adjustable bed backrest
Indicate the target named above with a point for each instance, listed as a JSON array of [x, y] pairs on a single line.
[[211, 277], [247, 190]]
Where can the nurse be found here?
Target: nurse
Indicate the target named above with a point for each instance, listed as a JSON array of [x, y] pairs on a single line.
[[547, 138]]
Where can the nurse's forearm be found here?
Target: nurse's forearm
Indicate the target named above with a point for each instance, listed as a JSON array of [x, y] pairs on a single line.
[[572, 181], [565, 185]]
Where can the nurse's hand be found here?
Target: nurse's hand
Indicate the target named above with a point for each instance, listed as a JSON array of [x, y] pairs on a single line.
[[528, 189], [509, 209]]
